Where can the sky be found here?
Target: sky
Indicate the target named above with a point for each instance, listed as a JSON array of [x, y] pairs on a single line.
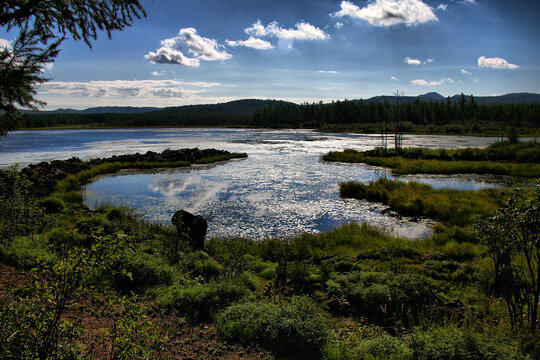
[[211, 51]]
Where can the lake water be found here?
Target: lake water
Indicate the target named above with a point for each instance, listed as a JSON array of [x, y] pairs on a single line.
[[281, 189]]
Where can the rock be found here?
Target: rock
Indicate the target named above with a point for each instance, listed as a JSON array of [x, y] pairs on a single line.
[[190, 228]]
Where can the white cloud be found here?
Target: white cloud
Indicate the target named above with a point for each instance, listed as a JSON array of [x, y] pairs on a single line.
[[302, 31], [394, 78], [442, 7], [463, 71], [389, 12], [412, 61], [252, 42], [422, 82], [47, 67], [495, 63], [4, 44], [172, 50], [125, 88], [476, 81], [327, 72], [339, 25], [157, 73]]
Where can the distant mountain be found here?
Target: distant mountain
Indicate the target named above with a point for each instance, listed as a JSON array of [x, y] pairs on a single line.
[[515, 98], [246, 107], [431, 96], [233, 108], [104, 110], [237, 108]]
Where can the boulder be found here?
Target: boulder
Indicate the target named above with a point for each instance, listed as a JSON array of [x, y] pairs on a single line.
[[190, 228]]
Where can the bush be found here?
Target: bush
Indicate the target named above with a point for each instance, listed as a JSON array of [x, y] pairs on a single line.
[[52, 205], [297, 329], [382, 347], [26, 251], [451, 343], [385, 298], [200, 264], [140, 271], [203, 301]]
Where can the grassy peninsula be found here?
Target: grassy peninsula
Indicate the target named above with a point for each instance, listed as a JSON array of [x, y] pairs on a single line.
[[514, 159], [105, 284]]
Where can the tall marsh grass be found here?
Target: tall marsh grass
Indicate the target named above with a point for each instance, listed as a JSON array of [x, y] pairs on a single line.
[[456, 207], [520, 159]]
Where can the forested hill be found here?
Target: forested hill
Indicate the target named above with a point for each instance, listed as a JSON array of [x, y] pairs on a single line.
[[237, 112], [515, 98], [428, 113]]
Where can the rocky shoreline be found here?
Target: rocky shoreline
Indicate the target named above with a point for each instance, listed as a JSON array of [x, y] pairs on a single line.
[[45, 175]]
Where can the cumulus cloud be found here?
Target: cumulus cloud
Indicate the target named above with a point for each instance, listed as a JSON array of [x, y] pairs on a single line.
[[495, 63], [465, 72], [339, 25], [442, 7], [422, 82], [394, 78], [389, 12], [157, 73], [200, 48], [412, 61], [252, 42], [302, 31], [125, 89]]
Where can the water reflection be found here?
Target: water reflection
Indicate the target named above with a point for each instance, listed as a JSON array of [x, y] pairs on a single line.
[[281, 189]]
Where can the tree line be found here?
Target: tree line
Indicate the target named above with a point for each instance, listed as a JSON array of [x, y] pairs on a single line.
[[349, 112], [462, 116]]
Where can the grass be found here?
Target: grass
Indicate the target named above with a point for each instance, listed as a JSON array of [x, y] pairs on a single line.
[[456, 207], [521, 160], [356, 291], [74, 181]]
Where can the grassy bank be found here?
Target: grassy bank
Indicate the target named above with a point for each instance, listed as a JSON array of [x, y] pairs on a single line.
[[522, 160], [74, 181], [456, 207], [355, 292]]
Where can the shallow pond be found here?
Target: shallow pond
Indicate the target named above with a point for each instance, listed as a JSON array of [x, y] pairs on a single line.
[[281, 189]]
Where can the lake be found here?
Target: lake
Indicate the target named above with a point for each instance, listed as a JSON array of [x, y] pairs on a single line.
[[281, 189]]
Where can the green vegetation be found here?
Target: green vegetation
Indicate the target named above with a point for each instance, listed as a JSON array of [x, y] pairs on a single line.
[[353, 292], [456, 207], [458, 115], [40, 31], [520, 159]]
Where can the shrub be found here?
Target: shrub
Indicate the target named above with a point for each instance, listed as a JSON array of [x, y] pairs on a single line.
[[385, 298], [200, 264], [19, 213], [52, 205], [297, 329], [203, 301], [383, 347], [26, 251], [140, 271], [451, 343]]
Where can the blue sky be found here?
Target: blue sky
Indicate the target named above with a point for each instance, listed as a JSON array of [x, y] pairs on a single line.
[[209, 51]]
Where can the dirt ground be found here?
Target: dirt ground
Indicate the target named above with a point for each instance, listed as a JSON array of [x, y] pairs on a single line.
[[183, 340]]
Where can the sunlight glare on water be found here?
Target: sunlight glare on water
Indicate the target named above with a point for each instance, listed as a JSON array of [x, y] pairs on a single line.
[[281, 189]]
